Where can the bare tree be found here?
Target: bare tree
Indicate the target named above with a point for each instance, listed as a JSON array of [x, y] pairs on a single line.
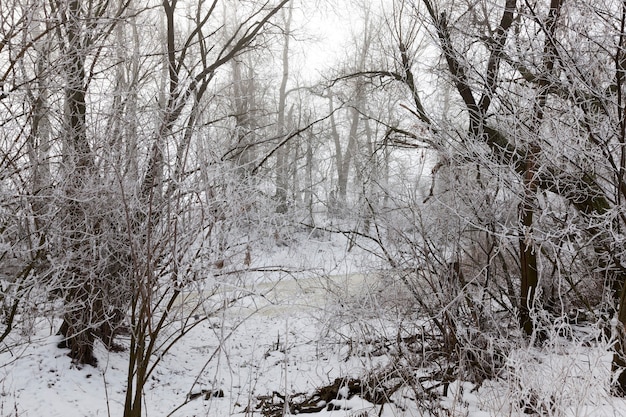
[[553, 82], [79, 82], [191, 63], [537, 133]]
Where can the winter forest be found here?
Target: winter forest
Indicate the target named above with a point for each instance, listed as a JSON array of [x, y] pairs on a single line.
[[349, 208]]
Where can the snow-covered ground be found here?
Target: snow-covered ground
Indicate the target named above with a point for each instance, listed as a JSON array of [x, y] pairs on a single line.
[[284, 338]]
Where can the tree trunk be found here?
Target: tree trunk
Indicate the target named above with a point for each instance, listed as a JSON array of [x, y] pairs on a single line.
[[77, 324], [282, 154], [619, 281], [528, 261]]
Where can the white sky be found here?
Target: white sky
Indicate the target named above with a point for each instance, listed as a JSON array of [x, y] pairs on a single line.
[[331, 27]]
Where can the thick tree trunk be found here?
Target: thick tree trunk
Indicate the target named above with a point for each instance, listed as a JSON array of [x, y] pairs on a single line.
[[77, 323], [76, 328], [528, 269]]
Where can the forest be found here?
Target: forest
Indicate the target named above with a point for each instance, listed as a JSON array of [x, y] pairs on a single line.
[[274, 207]]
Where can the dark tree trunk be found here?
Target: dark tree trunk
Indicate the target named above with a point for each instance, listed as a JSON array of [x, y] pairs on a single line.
[[529, 277], [77, 321]]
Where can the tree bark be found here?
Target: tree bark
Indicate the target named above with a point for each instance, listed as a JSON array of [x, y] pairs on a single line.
[[77, 327], [282, 154]]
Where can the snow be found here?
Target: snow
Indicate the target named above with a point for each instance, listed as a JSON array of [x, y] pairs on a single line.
[[280, 339]]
